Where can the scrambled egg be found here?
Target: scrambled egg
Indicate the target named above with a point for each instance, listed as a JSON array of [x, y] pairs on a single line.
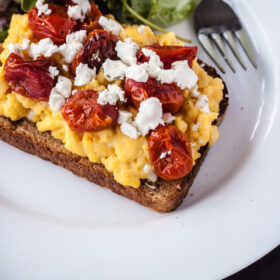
[[121, 155]]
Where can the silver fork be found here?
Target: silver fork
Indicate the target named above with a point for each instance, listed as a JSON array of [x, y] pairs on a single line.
[[215, 22]]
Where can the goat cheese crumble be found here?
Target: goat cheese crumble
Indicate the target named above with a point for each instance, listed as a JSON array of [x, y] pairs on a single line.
[[56, 100], [110, 25], [149, 115], [127, 51], [74, 43], [111, 95], [44, 47], [114, 70], [54, 72], [84, 74], [64, 86], [137, 72], [202, 103], [152, 176], [80, 10], [43, 8], [14, 48], [141, 28]]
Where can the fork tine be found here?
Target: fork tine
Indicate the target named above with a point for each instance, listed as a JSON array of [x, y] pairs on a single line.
[[207, 45], [244, 42], [218, 40], [231, 42]]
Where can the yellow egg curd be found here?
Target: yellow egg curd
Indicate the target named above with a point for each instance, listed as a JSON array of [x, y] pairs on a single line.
[[121, 155]]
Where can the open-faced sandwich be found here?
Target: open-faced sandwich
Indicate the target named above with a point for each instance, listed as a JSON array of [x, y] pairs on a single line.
[[123, 107]]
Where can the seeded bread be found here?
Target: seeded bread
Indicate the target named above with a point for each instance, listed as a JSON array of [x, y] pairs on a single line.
[[164, 196]]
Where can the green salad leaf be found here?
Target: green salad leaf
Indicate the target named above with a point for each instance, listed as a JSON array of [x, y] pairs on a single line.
[[160, 12], [27, 5], [155, 13], [169, 12]]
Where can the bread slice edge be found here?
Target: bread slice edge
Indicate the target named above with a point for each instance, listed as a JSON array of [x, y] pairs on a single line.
[[164, 196]]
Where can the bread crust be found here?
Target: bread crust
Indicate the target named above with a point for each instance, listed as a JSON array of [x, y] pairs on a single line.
[[164, 196]]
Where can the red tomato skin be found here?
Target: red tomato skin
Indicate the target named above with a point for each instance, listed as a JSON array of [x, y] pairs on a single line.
[[99, 46], [170, 54], [178, 161], [29, 78], [170, 95], [91, 21], [83, 113], [55, 26]]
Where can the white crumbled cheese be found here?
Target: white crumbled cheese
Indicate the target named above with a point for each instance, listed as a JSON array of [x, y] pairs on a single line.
[[64, 86], [74, 91], [149, 115], [56, 100], [195, 127], [114, 70], [65, 67], [202, 104], [31, 116], [163, 155], [54, 72], [44, 47], [126, 125], [61, 91], [169, 152], [110, 25], [79, 11], [141, 28], [137, 72], [155, 64], [150, 186], [111, 95], [195, 91], [168, 118], [130, 130], [14, 48], [180, 73], [84, 74], [152, 176], [124, 116], [25, 44], [43, 8], [127, 51], [74, 43]]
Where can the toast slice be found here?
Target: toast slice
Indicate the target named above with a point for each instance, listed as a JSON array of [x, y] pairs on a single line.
[[164, 196]]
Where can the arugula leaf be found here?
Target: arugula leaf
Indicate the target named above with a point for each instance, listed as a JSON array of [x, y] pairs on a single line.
[[169, 12], [27, 5], [3, 35]]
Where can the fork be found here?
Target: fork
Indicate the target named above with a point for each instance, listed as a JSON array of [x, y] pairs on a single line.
[[215, 22]]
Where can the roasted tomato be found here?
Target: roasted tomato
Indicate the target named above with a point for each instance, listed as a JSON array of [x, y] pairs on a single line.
[[91, 21], [170, 153], [55, 26], [170, 54], [83, 113], [29, 78], [99, 46], [170, 95]]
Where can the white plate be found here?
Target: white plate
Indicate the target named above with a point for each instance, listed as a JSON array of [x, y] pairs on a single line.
[[55, 225]]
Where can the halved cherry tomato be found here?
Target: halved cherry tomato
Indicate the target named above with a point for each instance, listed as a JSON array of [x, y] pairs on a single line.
[[99, 46], [170, 95], [170, 152], [91, 20], [83, 113], [55, 26], [170, 54], [29, 78]]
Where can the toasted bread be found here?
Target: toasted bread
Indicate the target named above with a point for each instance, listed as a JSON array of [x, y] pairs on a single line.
[[164, 196]]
